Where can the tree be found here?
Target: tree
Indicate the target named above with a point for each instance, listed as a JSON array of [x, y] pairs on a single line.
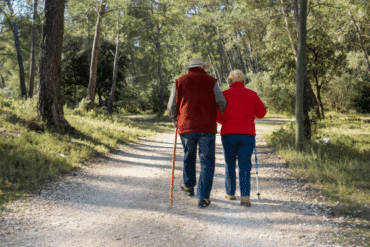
[[50, 105], [116, 56], [363, 45], [14, 27], [325, 60], [32, 66], [301, 60], [91, 91], [309, 98]]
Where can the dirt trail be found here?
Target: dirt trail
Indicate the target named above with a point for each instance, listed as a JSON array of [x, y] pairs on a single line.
[[123, 199]]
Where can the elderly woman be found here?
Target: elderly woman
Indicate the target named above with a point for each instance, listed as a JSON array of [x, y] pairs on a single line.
[[238, 133]]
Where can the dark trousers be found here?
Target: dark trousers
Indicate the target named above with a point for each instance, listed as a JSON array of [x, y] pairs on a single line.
[[240, 146], [206, 143]]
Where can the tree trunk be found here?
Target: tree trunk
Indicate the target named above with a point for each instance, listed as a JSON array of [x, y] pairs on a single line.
[[301, 76], [74, 95], [310, 101], [229, 60], [91, 90], [287, 26], [2, 82], [160, 70], [14, 28], [318, 90], [362, 44], [223, 57], [215, 71], [116, 55], [237, 49], [88, 44], [32, 65], [100, 96], [50, 105], [211, 58], [249, 54]]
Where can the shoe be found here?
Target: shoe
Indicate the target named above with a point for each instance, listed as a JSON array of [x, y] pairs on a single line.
[[230, 197], [189, 191], [202, 203], [244, 201]]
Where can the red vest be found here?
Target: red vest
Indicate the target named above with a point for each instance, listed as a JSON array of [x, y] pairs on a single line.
[[196, 103]]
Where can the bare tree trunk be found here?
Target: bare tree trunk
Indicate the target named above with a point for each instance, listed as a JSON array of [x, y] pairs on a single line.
[[249, 54], [310, 101], [100, 96], [50, 105], [32, 65], [318, 90], [91, 91], [88, 43], [74, 95], [211, 57], [158, 44], [229, 60], [300, 76], [223, 57], [2, 82], [14, 28], [116, 55], [287, 26], [362, 44], [237, 49]]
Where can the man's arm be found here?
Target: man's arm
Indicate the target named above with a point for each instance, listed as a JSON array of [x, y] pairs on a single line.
[[220, 98], [171, 106]]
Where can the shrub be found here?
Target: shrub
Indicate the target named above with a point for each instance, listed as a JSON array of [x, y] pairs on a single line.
[[362, 101], [279, 97]]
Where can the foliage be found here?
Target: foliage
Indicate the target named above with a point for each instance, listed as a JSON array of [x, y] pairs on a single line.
[[277, 96], [75, 70], [362, 101]]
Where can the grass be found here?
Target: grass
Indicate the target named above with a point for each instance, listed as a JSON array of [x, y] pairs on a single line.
[[31, 154], [341, 171]]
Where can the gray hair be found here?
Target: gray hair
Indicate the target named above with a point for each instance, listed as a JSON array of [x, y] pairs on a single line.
[[236, 75]]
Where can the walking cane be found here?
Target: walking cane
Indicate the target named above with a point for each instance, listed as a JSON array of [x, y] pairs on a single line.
[[173, 168], [256, 165]]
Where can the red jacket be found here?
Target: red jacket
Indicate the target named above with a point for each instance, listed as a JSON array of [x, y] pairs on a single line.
[[243, 106], [196, 103]]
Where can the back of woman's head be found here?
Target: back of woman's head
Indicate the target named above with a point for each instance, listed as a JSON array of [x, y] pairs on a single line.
[[236, 75]]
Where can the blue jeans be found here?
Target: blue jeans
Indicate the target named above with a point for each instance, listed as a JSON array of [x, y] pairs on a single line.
[[240, 146], [207, 161]]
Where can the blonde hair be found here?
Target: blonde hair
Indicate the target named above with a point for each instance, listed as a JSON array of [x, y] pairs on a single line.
[[236, 75]]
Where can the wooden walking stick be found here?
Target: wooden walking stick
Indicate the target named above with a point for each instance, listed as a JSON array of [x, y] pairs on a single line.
[[173, 168]]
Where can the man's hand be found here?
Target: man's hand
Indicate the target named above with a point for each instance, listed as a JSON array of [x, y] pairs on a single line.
[[175, 125]]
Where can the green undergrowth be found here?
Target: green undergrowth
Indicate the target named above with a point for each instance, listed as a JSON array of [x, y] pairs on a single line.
[[341, 170], [32, 154]]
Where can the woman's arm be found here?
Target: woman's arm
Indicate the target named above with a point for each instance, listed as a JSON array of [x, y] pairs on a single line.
[[259, 107]]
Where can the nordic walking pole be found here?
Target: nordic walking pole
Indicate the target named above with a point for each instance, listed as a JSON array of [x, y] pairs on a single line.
[[256, 165], [173, 168]]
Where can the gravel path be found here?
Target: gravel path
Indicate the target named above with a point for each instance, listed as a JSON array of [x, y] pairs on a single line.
[[123, 200]]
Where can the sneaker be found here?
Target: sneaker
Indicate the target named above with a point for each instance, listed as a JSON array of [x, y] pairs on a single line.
[[230, 197], [244, 201], [202, 203], [189, 191]]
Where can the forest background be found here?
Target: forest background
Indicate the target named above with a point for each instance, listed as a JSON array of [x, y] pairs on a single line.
[[143, 48], [157, 39]]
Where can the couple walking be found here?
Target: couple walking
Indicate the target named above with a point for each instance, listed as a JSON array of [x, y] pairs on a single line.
[[195, 105]]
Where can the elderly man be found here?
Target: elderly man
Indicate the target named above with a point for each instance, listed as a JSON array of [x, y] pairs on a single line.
[[193, 109]]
